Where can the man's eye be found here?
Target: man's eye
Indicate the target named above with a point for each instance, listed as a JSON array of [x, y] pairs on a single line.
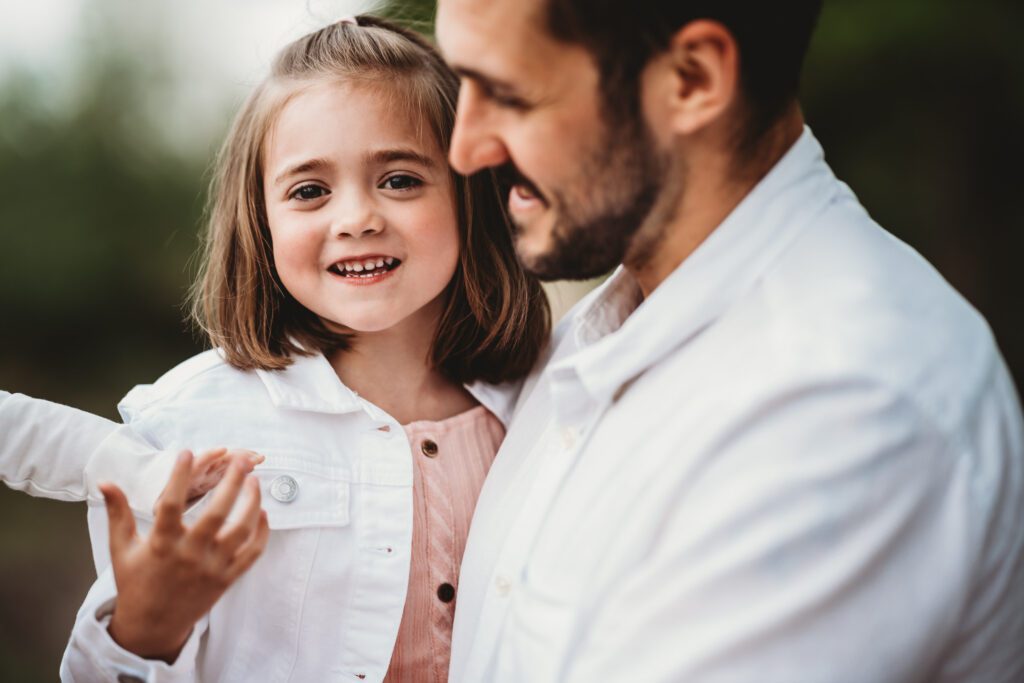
[[308, 192], [509, 102], [401, 182]]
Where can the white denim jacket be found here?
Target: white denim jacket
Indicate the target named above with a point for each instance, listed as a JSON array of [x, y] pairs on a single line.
[[325, 600]]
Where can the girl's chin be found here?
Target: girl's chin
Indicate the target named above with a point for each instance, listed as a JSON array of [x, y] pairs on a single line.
[[361, 325]]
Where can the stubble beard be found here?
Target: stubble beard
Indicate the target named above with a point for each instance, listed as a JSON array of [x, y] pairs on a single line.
[[598, 222]]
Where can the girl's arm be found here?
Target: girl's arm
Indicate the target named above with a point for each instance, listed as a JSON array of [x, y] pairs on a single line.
[[45, 447], [55, 451], [145, 615]]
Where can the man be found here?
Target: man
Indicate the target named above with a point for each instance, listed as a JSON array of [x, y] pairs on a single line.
[[775, 445]]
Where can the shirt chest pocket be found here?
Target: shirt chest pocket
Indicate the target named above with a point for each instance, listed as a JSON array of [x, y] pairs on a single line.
[[295, 498]]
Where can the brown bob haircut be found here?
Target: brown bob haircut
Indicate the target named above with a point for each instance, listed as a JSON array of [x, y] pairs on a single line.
[[496, 319]]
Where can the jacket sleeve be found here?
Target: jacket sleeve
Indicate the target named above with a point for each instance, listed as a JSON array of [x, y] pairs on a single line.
[[55, 451], [93, 656]]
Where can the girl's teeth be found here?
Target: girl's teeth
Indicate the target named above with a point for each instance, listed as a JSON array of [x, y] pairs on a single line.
[[368, 265]]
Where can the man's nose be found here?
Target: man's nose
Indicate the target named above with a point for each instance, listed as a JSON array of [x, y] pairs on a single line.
[[475, 144]]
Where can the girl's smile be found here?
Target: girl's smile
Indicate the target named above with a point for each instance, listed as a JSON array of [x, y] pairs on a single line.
[[364, 270]]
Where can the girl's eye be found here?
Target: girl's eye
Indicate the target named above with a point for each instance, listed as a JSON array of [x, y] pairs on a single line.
[[308, 192], [401, 182]]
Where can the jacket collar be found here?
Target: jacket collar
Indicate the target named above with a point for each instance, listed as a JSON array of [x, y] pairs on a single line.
[[617, 343], [311, 384]]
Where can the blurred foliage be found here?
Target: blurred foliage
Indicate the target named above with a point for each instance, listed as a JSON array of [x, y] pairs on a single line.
[[919, 105]]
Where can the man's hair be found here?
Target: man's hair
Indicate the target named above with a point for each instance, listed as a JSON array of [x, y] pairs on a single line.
[[772, 38], [496, 318]]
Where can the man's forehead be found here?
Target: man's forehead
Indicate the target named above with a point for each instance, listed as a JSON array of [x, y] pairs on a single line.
[[490, 34]]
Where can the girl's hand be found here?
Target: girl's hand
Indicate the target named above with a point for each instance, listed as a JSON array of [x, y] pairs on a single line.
[[209, 467], [167, 581]]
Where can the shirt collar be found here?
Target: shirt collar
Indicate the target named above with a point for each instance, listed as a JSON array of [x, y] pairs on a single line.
[[310, 383], [618, 343]]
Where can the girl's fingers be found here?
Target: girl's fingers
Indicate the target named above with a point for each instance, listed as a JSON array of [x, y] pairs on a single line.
[[205, 459], [209, 468], [171, 504], [231, 538], [119, 518], [247, 459], [251, 549], [216, 513]]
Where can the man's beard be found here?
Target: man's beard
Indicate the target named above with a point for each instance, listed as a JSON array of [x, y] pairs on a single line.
[[597, 219]]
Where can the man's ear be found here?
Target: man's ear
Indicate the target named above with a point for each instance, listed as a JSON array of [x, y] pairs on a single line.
[[695, 81]]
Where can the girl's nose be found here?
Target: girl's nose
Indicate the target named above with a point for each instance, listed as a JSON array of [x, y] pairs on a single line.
[[358, 220]]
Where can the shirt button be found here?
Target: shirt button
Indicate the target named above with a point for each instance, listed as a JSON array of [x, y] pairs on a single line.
[[502, 585], [429, 448], [446, 592], [284, 489], [568, 438]]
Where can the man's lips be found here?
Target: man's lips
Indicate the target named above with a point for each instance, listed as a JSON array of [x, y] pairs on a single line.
[[522, 199]]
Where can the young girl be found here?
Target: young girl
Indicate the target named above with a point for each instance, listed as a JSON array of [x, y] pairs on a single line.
[[359, 295]]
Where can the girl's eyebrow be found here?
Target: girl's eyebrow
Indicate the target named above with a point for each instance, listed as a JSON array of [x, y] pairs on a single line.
[[385, 156], [302, 167]]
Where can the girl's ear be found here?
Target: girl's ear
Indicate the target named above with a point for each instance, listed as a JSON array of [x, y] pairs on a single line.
[[695, 81]]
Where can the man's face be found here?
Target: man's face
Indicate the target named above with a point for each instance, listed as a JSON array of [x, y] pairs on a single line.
[[581, 185]]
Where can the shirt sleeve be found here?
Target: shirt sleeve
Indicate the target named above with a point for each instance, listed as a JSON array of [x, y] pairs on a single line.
[[92, 655], [55, 451], [828, 539]]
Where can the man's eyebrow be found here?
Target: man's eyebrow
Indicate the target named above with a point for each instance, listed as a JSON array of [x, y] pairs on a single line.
[[302, 167], [387, 156], [487, 81]]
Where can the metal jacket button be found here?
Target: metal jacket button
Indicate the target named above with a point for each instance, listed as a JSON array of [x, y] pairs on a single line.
[[284, 489], [429, 448]]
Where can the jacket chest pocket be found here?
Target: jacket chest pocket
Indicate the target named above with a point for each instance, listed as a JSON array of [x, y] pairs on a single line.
[[296, 498]]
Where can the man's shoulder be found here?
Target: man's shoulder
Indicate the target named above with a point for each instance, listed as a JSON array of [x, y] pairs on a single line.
[[852, 300]]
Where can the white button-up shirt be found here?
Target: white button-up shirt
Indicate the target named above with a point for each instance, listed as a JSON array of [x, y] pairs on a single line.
[[324, 601], [800, 459]]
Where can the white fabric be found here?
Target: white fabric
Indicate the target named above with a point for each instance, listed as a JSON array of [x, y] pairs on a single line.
[[799, 460], [325, 599], [53, 451]]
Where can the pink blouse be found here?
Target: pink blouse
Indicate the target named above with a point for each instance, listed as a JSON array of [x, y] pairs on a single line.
[[451, 459]]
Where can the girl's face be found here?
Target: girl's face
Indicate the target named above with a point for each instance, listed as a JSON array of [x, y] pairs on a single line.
[[361, 209]]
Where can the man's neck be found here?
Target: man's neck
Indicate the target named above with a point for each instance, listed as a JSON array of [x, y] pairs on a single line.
[[714, 185]]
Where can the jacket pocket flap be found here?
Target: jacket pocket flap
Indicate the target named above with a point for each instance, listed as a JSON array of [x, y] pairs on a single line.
[[295, 499]]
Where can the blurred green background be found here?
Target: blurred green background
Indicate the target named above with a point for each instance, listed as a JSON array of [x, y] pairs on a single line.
[[919, 105]]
